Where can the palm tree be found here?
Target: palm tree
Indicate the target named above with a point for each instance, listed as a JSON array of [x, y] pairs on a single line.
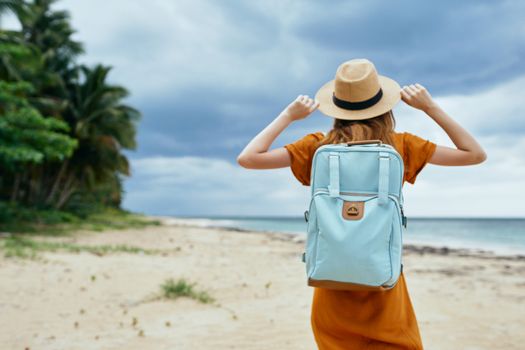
[[10, 5], [9, 37], [43, 55], [104, 127], [49, 30], [27, 139], [50, 33]]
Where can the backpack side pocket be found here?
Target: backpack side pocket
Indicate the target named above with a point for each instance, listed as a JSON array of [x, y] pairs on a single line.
[[312, 232]]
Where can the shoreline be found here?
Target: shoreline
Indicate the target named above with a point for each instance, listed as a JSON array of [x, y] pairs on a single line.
[[412, 247]]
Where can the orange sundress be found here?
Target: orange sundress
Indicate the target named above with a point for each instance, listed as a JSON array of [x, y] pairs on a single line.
[[364, 320]]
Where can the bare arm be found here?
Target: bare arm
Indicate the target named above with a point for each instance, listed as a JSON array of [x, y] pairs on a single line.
[[256, 155], [467, 151]]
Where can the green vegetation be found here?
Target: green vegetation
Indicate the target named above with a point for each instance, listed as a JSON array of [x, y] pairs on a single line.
[[63, 128], [18, 219], [172, 289], [22, 247]]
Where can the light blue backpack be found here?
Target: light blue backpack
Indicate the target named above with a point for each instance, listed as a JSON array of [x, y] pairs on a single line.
[[355, 219]]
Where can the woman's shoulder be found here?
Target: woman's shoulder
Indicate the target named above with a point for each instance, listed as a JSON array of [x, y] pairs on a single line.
[[416, 152], [315, 136], [405, 138], [301, 154], [398, 136], [409, 139], [309, 141]]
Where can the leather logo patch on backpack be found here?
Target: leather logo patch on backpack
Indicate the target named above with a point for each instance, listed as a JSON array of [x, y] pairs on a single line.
[[353, 210]]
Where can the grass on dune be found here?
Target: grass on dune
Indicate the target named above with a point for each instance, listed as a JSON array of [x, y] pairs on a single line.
[[23, 247], [172, 289], [19, 219], [20, 225]]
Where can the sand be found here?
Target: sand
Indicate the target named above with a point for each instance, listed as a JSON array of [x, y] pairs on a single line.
[[463, 300]]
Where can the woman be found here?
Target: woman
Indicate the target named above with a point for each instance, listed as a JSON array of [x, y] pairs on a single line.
[[361, 102]]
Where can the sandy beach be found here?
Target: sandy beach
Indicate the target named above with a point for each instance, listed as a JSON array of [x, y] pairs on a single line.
[[66, 300]]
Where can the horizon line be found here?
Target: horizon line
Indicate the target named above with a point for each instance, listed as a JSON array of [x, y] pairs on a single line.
[[267, 217]]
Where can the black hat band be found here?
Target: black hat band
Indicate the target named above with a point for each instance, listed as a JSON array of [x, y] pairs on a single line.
[[356, 106]]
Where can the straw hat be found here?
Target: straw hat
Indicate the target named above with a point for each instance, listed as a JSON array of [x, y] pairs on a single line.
[[358, 92]]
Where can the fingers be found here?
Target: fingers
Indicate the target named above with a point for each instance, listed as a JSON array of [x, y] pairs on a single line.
[[312, 105], [304, 105], [309, 103], [405, 95], [408, 93], [416, 95], [412, 90], [305, 100]]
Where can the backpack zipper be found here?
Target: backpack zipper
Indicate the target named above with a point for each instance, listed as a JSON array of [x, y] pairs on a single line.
[[322, 190], [403, 217]]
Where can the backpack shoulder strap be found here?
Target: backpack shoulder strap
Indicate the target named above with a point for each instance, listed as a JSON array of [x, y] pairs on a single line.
[[333, 161], [384, 177]]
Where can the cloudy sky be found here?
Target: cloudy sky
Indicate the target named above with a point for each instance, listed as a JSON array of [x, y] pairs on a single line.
[[208, 75]]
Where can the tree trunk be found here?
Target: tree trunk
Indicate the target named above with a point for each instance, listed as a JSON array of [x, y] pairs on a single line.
[[23, 188], [54, 188], [67, 191], [38, 179], [16, 186]]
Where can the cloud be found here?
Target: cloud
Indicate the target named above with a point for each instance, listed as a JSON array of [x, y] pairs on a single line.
[[198, 186], [207, 186], [452, 46], [209, 75], [496, 112], [163, 46], [494, 188], [223, 129]]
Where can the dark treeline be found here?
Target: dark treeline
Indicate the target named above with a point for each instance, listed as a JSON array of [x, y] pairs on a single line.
[[63, 127]]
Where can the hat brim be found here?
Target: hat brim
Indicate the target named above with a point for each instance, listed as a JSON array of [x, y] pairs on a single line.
[[391, 96]]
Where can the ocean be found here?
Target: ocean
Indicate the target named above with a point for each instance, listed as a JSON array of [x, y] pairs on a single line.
[[501, 236]]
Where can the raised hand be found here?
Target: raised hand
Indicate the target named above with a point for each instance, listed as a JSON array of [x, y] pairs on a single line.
[[301, 107], [417, 96]]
